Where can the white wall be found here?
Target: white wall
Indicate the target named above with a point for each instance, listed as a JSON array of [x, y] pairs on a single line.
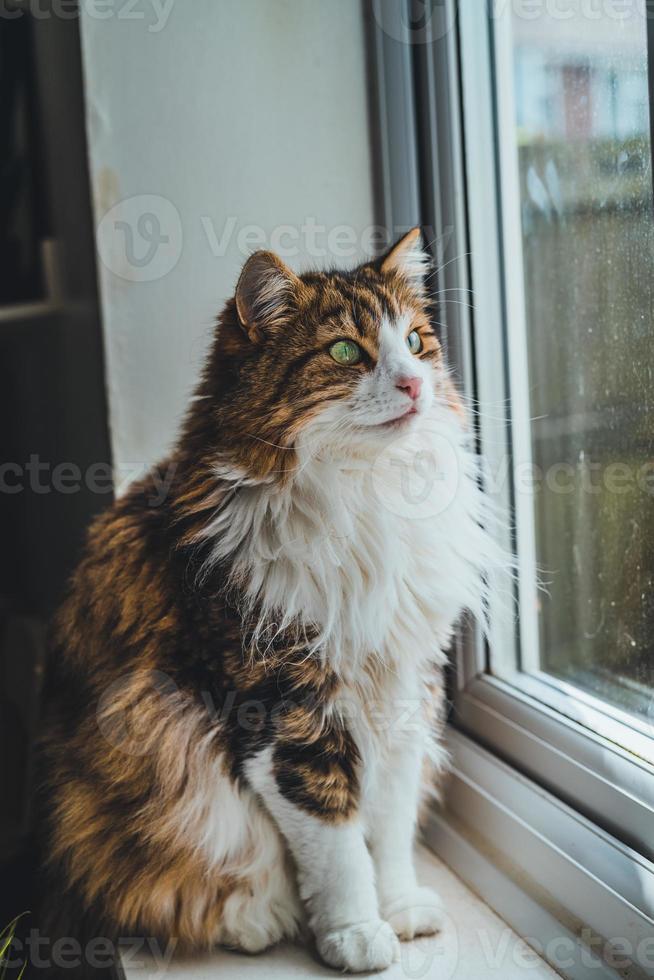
[[231, 113]]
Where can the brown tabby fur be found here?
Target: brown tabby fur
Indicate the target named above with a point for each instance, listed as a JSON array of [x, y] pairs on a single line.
[[138, 638]]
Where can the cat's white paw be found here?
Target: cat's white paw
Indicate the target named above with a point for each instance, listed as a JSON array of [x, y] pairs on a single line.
[[418, 912], [362, 948]]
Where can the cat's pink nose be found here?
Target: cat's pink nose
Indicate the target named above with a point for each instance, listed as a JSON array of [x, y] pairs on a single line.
[[411, 386]]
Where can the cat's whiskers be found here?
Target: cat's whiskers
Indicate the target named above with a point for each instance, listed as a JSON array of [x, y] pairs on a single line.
[[438, 269], [457, 302]]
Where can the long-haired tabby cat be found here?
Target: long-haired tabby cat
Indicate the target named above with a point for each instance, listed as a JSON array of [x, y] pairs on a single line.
[[274, 631]]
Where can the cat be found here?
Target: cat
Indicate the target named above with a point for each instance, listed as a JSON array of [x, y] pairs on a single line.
[[245, 693]]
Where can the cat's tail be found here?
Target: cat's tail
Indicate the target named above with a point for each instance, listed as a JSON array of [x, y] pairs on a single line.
[[44, 931]]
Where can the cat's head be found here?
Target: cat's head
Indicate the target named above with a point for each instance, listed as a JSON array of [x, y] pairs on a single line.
[[325, 361]]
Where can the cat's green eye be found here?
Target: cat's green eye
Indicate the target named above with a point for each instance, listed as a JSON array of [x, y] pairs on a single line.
[[345, 352], [414, 343]]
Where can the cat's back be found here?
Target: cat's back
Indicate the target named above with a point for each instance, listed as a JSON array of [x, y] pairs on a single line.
[[123, 592]]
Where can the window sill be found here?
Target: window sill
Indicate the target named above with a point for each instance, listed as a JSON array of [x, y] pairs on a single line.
[[569, 888], [475, 943]]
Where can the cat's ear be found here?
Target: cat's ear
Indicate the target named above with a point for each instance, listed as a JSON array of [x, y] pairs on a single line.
[[408, 259], [264, 293]]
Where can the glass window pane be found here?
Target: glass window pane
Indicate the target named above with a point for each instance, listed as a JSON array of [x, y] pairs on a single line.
[[582, 138]]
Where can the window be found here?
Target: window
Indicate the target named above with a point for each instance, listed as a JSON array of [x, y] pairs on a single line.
[[574, 141]]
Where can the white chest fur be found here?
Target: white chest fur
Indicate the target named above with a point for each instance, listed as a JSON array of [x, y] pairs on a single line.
[[371, 557]]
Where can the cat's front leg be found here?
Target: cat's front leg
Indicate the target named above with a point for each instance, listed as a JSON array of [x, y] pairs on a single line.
[[391, 816], [312, 793]]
